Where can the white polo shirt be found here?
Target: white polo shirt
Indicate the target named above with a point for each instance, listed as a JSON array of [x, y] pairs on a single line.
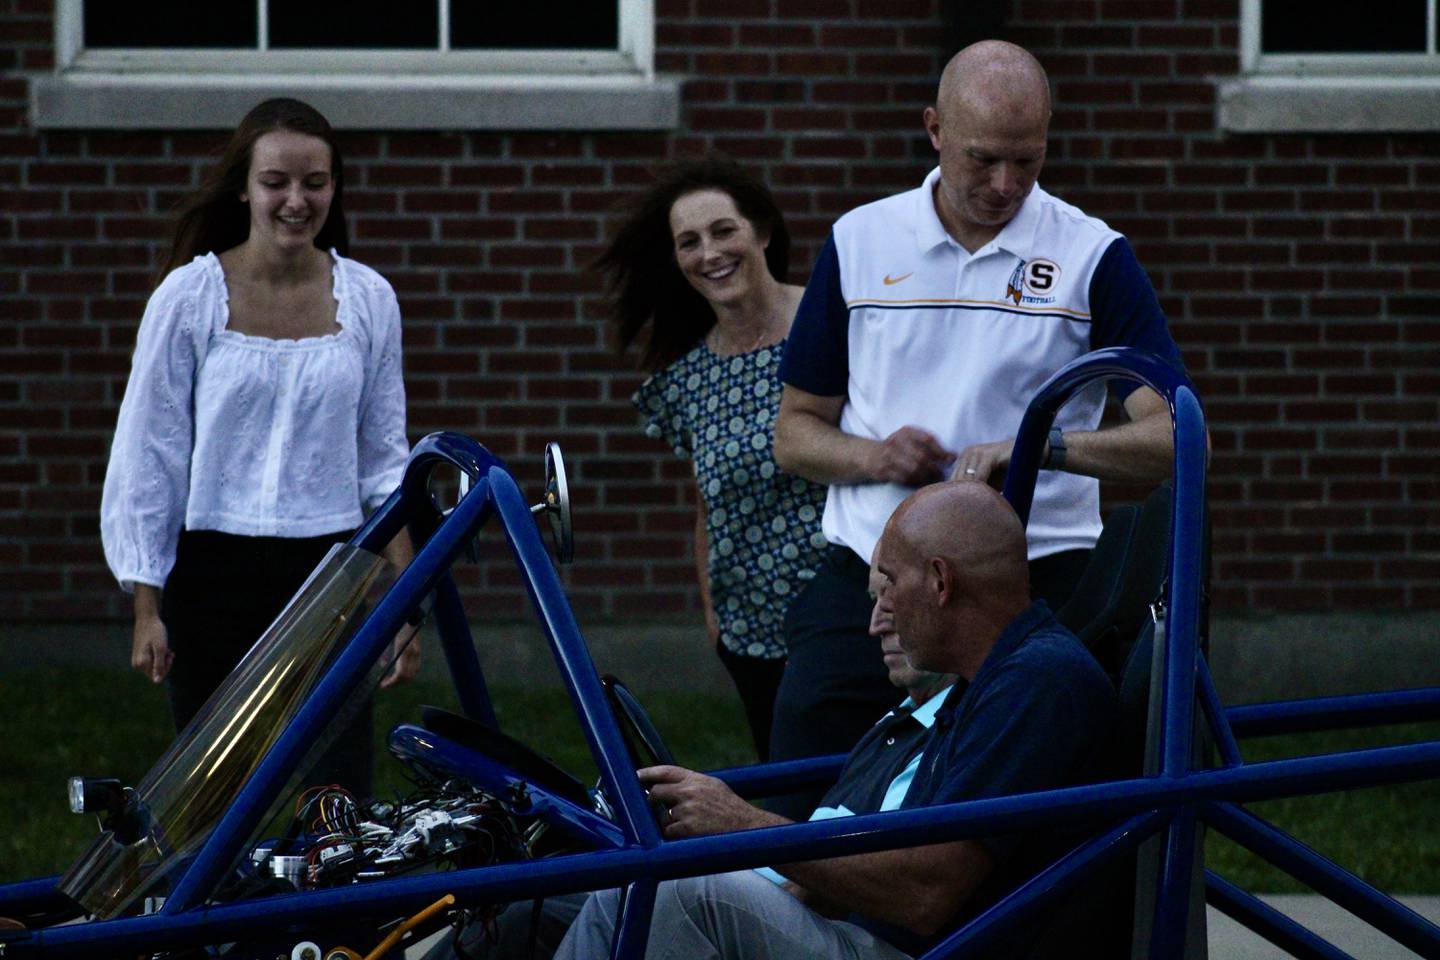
[[914, 330]]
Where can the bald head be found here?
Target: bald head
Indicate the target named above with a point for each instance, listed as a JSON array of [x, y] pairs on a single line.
[[955, 558], [989, 124], [993, 75], [970, 526]]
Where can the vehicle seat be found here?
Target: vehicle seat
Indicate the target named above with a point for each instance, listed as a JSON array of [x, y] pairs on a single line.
[[1125, 573]]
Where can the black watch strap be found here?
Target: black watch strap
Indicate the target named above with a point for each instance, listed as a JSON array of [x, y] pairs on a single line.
[[1055, 459]]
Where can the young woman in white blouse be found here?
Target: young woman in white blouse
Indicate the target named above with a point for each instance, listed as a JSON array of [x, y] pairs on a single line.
[[265, 411]]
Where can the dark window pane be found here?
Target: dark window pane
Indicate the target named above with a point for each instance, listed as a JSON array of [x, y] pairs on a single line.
[[1304, 26], [354, 24], [170, 23], [534, 25]]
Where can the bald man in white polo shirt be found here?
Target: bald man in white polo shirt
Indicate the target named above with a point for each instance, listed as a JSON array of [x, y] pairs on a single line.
[[930, 320]]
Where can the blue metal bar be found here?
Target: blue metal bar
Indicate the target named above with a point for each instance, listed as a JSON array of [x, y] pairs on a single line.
[[32, 896], [1182, 635], [1172, 888], [1385, 914], [1035, 894], [632, 932], [768, 779], [1124, 362], [382, 526], [1177, 706], [1268, 922], [1331, 713], [1216, 716], [751, 848], [597, 720], [343, 677], [459, 646], [1186, 533]]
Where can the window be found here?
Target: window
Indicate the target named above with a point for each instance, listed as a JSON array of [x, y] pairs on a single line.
[[1310, 66], [439, 64]]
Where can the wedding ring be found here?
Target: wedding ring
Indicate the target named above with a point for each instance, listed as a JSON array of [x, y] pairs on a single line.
[[969, 471]]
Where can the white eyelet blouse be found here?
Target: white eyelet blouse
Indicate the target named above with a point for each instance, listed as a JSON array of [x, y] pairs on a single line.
[[248, 435]]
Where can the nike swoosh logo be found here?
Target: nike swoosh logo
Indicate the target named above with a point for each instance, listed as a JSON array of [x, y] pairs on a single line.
[[891, 281]]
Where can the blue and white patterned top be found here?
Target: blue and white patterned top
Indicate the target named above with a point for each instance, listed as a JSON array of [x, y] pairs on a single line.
[[763, 524]]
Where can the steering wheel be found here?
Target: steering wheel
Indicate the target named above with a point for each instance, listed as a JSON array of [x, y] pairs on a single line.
[[642, 740]]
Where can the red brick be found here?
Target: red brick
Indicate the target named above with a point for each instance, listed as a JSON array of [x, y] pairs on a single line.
[[531, 201], [1319, 411], [1408, 201], [560, 229], [478, 228], [776, 35], [1276, 280], [801, 64], [392, 228], [441, 201], [882, 35], [1333, 253]]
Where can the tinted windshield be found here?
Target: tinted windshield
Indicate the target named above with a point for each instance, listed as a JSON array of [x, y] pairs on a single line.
[[191, 786]]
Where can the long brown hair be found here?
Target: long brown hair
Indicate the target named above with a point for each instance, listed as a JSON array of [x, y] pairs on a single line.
[[212, 219], [649, 298]]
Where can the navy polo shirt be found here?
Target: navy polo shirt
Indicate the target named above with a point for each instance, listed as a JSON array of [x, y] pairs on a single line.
[[1037, 717]]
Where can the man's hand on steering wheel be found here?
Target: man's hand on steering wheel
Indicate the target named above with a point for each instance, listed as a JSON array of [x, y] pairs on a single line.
[[697, 804]]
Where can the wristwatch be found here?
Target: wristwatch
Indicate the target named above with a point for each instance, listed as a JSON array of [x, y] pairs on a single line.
[[1055, 459]]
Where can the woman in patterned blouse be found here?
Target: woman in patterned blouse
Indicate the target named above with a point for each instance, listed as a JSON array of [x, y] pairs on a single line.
[[695, 276]]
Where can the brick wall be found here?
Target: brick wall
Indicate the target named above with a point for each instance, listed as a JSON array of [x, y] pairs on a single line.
[[1298, 272]]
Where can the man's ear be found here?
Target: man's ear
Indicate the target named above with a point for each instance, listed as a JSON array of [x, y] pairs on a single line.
[[931, 119], [943, 582]]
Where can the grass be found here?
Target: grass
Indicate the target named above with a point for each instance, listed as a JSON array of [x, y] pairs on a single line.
[[1389, 836], [58, 723]]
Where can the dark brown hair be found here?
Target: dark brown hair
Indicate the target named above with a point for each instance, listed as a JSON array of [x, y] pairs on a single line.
[[212, 219], [649, 298]]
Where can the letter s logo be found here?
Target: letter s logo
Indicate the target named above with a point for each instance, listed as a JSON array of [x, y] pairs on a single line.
[[1040, 276]]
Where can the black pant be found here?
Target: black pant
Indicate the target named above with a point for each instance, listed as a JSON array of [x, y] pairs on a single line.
[[835, 684], [756, 680], [221, 595]]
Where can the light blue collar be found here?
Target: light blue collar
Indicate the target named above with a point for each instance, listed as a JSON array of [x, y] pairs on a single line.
[[925, 713]]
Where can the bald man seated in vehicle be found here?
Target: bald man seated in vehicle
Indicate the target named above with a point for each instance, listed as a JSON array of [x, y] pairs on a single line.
[[1034, 713], [876, 776]]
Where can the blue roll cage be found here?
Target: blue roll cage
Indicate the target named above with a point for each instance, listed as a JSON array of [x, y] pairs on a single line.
[[1167, 804]]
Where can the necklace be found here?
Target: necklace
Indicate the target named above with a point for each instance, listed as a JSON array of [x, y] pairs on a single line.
[[726, 345]]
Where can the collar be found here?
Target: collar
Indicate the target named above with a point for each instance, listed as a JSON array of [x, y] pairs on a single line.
[[925, 713], [929, 231], [1016, 631], [1032, 618], [1016, 237]]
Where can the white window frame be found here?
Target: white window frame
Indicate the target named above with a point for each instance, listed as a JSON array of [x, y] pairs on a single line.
[[360, 89], [1335, 92]]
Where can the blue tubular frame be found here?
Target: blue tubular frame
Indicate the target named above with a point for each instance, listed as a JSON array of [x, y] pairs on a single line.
[[1385, 914], [1121, 813], [1270, 923], [1330, 713]]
